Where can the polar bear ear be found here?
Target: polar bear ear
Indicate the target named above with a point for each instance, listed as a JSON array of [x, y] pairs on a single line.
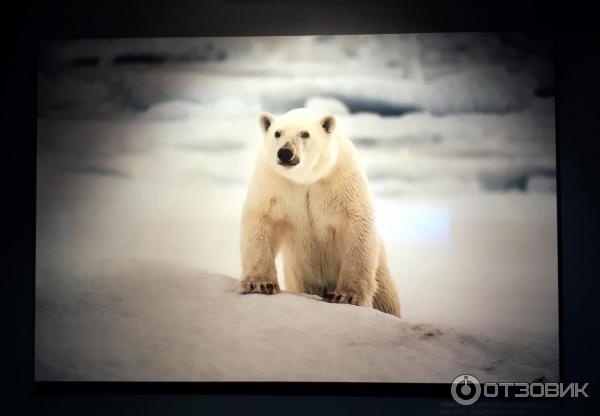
[[266, 119], [328, 123]]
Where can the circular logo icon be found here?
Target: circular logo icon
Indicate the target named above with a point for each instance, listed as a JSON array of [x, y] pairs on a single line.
[[465, 389]]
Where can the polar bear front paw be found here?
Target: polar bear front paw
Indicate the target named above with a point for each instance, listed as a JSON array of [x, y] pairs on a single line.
[[341, 297], [258, 286]]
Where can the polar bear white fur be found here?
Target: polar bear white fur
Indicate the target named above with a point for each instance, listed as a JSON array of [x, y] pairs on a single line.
[[309, 200]]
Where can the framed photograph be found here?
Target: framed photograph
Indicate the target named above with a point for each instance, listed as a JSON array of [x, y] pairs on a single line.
[[366, 209]]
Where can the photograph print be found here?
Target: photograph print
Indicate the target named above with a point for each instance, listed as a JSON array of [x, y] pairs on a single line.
[[348, 208]]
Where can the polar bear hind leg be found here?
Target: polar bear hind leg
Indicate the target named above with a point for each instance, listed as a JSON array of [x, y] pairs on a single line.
[[386, 296]]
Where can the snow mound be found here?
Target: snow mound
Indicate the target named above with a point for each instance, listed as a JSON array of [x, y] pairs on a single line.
[[326, 105], [541, 184], [181, 109], [141, 321]]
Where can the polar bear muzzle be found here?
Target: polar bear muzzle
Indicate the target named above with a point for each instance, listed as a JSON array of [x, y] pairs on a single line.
[[286, 156]]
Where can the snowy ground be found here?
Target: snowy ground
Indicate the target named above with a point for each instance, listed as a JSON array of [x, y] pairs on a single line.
[[142, 171], [147, 321]]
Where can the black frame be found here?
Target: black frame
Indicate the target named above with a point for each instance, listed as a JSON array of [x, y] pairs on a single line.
[[576, 110], [279, 388]]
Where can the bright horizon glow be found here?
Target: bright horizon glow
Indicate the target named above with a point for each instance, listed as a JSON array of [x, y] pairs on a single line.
[[412, 222]]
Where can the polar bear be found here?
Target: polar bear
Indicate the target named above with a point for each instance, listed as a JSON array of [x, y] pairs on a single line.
[[308, 199]]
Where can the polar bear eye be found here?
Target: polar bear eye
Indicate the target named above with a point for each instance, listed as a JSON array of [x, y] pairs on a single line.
[[304, 135], [277, 134]]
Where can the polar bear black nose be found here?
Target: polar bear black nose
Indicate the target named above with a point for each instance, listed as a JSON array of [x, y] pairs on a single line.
[[285, 155]]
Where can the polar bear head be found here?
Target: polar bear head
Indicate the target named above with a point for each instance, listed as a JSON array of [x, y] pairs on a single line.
[[300, 145]]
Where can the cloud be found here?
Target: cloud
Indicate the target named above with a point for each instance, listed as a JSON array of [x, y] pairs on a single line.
[[388, 75]]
